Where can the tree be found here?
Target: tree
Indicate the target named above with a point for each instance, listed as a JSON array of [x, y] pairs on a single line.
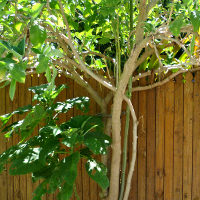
[[114, 42]]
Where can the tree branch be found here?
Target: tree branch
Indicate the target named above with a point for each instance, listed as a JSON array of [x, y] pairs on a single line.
[[160, 83], [134, 147], [151, 5]]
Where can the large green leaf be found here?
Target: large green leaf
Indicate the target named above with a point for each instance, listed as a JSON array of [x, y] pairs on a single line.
[[18, 72], [98, 172], [21, 47], [3, 3], [66, 192], [36, 9], [82, 103], [195, 19], [97, 142], [70, 137], [32, 120], [26, 161], [65, 171], [175, 26], [37, 35], [43, 64]]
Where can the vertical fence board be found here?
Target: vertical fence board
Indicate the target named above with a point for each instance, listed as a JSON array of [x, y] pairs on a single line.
[[178, 138], [142, 145], [159, 143], [196, 140], [169, 130], [151, 142], [187, 142], [3, 176]]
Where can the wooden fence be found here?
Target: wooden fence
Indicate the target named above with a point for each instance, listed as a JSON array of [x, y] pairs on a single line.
[[168, 158]]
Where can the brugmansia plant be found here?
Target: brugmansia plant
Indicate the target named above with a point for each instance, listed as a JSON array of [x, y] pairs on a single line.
[[81, 137], [115, 42]]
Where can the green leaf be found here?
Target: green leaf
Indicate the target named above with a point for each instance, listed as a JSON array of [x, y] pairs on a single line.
[[70, 137], [21, 47], [48, 146], [97, 142], [18, 72], [43, 64], [25, 162], [82, 103], [195, 19], [175, 26], [187, 2], [11, 48], [32, 120], [98, 172], [40, 190], [104, 40], [36, 9], [37, 35], [2, 4], [48, 74], [56, 53], [65, 171], [66, 192], [4, 118], [12, 89]]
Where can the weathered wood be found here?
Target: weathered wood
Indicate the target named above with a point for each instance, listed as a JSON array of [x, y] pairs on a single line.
[[169, 140], [196, 140], [187, 140], [151, 144], [142, 137], [159, 192], [178, 138]]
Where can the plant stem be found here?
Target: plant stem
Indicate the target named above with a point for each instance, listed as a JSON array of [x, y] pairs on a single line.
[[75, 192], [124, 155]]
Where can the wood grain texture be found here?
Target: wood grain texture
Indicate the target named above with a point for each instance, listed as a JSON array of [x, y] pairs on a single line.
[[169, 140], [187, 139], [178, 138], [151, 144], [160, 117], [196, 139], [142, 139]]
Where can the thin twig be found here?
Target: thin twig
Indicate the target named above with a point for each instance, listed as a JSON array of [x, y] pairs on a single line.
[[160, 83]]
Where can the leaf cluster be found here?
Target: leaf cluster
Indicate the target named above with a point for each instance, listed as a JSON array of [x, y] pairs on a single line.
[[54, 153]]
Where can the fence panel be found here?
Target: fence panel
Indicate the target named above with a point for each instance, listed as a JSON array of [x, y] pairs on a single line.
[[168, 163]]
